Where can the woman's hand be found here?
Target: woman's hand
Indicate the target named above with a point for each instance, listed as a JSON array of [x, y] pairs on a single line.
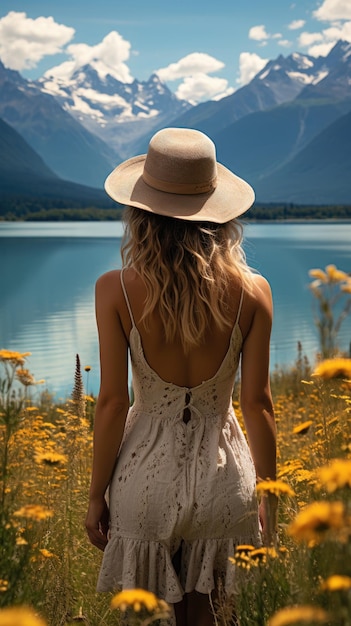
[[97, 522], [268, 518]]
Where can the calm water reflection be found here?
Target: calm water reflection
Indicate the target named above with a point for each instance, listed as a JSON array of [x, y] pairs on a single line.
[[49, 271]]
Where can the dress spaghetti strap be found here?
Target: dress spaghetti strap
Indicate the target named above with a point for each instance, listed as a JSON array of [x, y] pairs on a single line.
[[126, 298], [240, 306]]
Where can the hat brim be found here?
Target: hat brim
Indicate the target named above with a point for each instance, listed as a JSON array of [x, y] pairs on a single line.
[[231, 197]]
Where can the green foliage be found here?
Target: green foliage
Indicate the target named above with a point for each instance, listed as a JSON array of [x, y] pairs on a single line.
[[57, 210], [286, 212]]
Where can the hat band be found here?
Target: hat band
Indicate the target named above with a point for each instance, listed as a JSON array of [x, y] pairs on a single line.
[[179, 188]]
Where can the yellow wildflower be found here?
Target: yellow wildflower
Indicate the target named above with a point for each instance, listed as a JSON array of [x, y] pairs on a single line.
[[46, 553], [89, 398], [50, 458], [244, 547], [20, 616], [4, 585], [247, 556], [319, 275], [15, 358], [261, 554], [138, 599], [33, 511], [303, 475], [302, 429], [297, 614], [335, 475], [335, 275], [276, 487], [334, 368], [87, 368], [241, 560], [241, 556], [316, 520], [25, 377], [336, 583], [21, 541], [289, 467]]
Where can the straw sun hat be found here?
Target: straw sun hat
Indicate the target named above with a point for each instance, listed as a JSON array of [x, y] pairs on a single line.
[[179, 177]]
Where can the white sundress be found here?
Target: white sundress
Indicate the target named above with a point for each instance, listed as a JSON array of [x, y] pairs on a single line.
[[177, 485]]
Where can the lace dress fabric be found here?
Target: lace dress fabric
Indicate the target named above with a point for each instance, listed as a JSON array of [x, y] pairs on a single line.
[[180, 485]]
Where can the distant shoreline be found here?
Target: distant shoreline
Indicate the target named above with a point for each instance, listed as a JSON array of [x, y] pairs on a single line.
[[39, 211], [299, 220]]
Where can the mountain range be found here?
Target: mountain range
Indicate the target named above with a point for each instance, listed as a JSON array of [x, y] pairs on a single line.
[[116, 112], [26, 179], [287, 131]]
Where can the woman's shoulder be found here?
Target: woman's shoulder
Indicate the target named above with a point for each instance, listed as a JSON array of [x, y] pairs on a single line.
[[113, 289], [261, 293], [108, 287], [112, 276], [260, 284]]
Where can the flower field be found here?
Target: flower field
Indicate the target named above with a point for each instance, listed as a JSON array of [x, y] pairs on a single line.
[[48, 569]]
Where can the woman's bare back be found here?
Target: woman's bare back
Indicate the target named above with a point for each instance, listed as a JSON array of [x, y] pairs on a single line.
[[168, 359]]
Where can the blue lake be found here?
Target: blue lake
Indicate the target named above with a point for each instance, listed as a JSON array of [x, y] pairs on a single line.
[[48, 272]]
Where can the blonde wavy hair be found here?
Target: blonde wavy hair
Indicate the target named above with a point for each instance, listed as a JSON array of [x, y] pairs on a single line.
[[186, 268]]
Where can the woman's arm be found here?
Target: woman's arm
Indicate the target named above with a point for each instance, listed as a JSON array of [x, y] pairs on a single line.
[[256, 401], [112, 405]]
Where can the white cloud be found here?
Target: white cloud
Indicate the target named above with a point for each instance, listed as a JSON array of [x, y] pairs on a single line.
[[25, 41], [320, 44], [201, 87], [258, 33], [195, 63], [336, 32], [296, 24], [321, 49], [285, 43], [107, 57], [307, 39], [193, 71], [113, 50], [249, 65], [331, 10]]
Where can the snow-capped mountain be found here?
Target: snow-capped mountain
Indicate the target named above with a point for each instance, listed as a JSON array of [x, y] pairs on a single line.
[[118, 112], [280, 81], [289, 76], [262, 128], [70, 150], [335, 75], [291, 119], [281, 146]]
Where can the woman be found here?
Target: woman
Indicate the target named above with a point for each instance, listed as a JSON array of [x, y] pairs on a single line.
[[180, 475]]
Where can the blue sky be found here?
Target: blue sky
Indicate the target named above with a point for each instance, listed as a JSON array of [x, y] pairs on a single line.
[[202, 49]]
